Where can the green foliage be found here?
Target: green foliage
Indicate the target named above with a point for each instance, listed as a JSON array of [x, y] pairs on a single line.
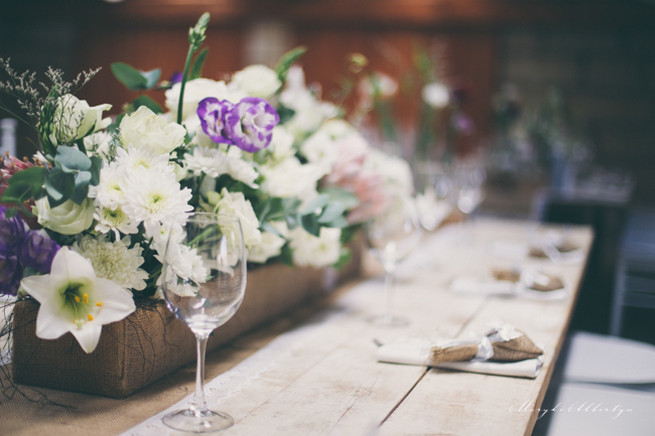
[[133, 79], [25, 185], [198, 64], [144, 100], [287, 60]]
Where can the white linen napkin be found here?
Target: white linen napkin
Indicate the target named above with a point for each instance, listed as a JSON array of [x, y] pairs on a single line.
[[417, 351]]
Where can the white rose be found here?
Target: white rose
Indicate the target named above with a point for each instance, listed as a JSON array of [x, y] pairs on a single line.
[[309, 250], [234, 203], [196, 90], [436, 95], [257, 81], [74, 119], [68, 218], [145, 129]]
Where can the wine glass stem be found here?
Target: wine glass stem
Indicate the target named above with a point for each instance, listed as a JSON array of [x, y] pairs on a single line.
[[200, 404], [389, 278]]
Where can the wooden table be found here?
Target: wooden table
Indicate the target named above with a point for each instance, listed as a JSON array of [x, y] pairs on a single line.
[[322, 377]]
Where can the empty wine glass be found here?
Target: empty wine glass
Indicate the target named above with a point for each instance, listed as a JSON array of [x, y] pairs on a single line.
[[203, 281], [433, 186], [391, 237]]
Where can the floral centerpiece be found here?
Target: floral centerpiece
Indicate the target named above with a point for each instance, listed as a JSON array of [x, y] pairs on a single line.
[[84, 222]]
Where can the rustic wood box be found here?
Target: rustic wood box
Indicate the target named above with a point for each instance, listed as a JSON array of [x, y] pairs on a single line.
[[150, 342]]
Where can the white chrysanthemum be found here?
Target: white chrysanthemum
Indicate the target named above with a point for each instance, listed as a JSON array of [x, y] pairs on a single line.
[[115, 220], [114, 261], [216, 161], [155, 197], [309, 250], [133, 158], [206, 160], [109, 193], [234, 203]]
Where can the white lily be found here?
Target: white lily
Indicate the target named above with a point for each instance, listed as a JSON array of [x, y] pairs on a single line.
[[74, 300]]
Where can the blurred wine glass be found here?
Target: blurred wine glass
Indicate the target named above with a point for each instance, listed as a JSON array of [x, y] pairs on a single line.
[[391, 237], [203, 281], [433, 188]]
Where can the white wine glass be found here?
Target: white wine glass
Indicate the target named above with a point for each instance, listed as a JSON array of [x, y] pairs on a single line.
[[391, 237], [203, 281]]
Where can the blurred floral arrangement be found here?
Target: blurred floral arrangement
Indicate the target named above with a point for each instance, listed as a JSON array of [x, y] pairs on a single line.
[[540, 140], [84, 222], [439, 120]]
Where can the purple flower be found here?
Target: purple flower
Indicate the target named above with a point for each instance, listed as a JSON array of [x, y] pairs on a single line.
[[11, 232], [212, 113], [10, 274], [250, 124], [37, 251], [176, 77]]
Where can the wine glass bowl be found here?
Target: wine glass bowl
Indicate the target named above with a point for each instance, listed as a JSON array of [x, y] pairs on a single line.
[[203, 283], [391, 237]]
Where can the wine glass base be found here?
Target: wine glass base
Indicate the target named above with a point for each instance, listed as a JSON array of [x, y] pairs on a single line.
[[194, 421], [388, 320]]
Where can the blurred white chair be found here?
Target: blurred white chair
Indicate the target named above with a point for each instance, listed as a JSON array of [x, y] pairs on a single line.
[[606, 387]]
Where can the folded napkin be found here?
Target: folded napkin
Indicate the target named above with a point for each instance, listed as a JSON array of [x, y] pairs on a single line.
[[510, 282], [503, 351]]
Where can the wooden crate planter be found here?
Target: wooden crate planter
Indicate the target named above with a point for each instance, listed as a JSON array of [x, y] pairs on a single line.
[[151, 342]]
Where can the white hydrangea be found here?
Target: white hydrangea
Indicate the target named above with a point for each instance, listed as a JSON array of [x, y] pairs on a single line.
[[114, 261], [290, 178], [309, 250]]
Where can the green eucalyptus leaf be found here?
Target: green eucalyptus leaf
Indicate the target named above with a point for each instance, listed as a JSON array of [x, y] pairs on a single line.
[[129, 76], [152, 77], [285, 114], [198, 64], [71, 159], [310, 224], [144, 100], [33, 176], [346, 198], [81, 189], [286, 61], [96, 166], [332, 213], [17, 193], [319, 202], [59, 186]]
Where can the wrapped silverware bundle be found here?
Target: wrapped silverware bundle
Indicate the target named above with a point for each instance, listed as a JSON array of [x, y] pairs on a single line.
[[503, 344]]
